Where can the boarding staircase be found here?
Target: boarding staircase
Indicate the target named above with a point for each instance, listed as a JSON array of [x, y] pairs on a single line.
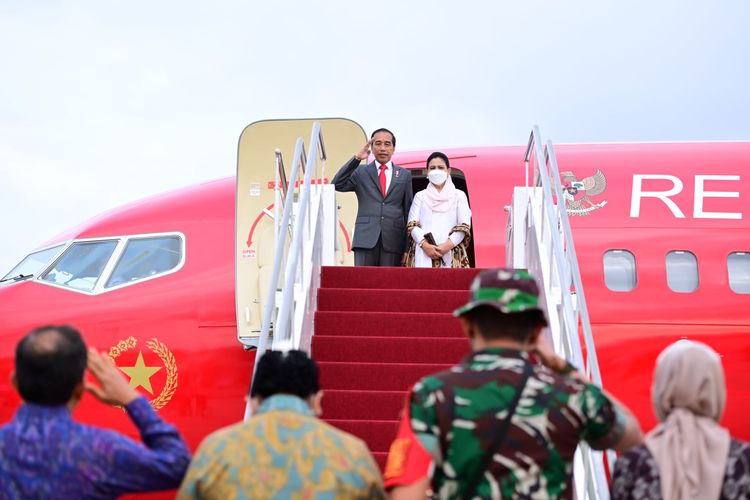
[[375, 331], [539, 238]]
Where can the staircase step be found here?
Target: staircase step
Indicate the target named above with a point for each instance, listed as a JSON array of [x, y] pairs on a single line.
[[377, 323], [365, 299], [363, 405], [381, 457], [378, 434], [389, 349], [397, 277], [374, 376]]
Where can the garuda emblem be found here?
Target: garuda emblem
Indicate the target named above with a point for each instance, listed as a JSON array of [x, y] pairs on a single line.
[[578, 194], [141, 373]]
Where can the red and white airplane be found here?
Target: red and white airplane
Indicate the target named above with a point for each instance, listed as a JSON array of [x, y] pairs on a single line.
[[661, 232]]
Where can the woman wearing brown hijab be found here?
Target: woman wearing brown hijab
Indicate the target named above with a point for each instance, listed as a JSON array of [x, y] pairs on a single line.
[[688, 455]]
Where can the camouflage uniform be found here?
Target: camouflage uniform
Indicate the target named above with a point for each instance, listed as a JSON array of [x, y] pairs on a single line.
[[452, 416], [535, 459]]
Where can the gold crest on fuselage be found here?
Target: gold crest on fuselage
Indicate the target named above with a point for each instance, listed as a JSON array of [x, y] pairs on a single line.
[[140, 372]]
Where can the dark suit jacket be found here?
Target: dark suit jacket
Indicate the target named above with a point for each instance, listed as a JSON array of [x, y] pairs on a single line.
[[376, 215]]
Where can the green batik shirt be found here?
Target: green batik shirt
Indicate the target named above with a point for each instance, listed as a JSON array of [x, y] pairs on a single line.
[[535, 459]]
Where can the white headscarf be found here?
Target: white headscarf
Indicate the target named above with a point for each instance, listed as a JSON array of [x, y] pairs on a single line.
[[443, 200], [689, 446]]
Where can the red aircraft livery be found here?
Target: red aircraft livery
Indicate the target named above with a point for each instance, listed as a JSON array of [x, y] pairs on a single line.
[[661, 233]]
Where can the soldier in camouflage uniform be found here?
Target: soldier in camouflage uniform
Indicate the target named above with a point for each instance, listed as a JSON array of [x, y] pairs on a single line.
[[455, 436]]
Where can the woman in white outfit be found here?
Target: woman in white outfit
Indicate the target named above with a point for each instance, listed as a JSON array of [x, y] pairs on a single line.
[[439, 220]]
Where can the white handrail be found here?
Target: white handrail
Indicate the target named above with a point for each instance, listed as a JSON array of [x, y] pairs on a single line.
[[293, 312], [539, 238], [570, 252], [280, 243], [270, 303], [283, 325]]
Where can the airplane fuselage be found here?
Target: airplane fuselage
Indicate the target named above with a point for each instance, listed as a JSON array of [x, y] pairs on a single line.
[[650, 206]]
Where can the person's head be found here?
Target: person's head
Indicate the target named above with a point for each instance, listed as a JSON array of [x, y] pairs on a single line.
[[438, 168], [383, 145], [689, 375], [50, 364], [292, 373], [503, 306]]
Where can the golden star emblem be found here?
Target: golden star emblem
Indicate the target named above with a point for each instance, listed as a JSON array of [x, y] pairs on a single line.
[[140, 374]]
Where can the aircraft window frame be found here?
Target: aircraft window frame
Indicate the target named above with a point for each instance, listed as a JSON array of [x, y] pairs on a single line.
[[610, 281], [674, 281], [743, 287], [114, 258], [108, 246], [132, 281], [59, 247]]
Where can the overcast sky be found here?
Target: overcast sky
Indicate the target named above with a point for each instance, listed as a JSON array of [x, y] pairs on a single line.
[[102, 103]]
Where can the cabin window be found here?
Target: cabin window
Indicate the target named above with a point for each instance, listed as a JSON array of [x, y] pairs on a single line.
[[146, 257], [32, 264], [619, 270], [682, 271], [738, 264], [81, 265]]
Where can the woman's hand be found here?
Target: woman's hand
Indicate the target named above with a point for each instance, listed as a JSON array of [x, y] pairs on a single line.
[[435, 252], [445, 247], [431, 250]]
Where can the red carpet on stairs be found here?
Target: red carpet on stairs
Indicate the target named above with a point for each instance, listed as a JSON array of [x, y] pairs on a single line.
[[377, 331]]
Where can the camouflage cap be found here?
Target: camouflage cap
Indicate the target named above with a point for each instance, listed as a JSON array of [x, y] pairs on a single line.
[[507, 290]]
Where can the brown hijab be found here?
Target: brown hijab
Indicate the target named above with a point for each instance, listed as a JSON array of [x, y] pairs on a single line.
[[689, 446]]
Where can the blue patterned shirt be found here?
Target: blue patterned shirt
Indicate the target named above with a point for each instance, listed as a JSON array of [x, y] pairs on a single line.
[[45, 454], [283, 451]]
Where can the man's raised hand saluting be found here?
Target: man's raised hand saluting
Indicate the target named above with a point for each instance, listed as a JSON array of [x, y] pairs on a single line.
[[113, 389], [364, 153]]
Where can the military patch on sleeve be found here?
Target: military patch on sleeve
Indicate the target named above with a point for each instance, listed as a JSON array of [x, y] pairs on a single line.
[[397, 455], [408, 461]]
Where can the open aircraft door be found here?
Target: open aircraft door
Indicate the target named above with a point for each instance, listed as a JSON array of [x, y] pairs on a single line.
[[257, 175]]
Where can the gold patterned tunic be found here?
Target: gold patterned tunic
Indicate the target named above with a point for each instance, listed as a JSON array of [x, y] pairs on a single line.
[[283, 451]]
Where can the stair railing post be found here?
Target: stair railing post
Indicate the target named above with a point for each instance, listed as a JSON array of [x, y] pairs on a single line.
[[279, 246]]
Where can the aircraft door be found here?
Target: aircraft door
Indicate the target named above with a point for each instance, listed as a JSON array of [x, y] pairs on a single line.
[[255, 196]]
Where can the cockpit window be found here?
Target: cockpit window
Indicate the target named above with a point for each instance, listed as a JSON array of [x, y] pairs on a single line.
[[81, 265], [32, 264], [143, 258]]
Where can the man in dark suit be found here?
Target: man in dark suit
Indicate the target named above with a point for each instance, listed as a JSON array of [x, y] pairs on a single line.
[[384, 195]]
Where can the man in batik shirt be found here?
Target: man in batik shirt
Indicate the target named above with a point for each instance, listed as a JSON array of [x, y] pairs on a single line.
[[44, 453], [499, 425], [283, 450]]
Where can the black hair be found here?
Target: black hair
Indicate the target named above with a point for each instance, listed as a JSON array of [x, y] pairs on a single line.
[[438, 154], [495, 325], [385, 130], [291, 372], [50, 362]]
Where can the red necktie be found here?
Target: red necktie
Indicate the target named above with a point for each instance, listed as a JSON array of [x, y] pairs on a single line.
[[382, 179]]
